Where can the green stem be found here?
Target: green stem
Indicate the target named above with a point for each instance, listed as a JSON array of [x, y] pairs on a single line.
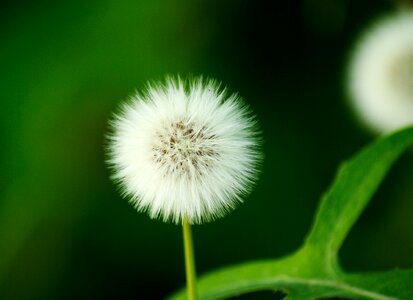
[[189, 261]]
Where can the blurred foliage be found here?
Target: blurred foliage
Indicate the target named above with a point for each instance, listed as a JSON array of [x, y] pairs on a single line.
[[65, 233]]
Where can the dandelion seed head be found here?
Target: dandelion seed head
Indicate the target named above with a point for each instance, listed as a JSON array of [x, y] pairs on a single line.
[[381, 74], [184, 150]]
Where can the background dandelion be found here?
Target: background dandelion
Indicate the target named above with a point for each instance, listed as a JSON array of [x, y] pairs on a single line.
[[381, 74]]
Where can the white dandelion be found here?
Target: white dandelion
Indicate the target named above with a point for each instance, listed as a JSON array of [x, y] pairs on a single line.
[[184, 150], [381, 74]]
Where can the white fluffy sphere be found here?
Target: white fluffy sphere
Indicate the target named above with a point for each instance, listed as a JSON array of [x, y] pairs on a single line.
[[381, 74], [184, 150]]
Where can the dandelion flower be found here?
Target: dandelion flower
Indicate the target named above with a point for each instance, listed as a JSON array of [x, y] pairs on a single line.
[[184, 150], [381, 74]]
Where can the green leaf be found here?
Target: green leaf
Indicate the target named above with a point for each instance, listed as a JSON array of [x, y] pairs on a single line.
[[355, 183], [313, 271]]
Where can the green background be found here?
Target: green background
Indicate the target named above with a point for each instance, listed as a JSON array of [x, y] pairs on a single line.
[[65, 232]]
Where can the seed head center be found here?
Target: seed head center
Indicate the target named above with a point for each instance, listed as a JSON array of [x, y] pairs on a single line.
[[184, 147], [401, 74]]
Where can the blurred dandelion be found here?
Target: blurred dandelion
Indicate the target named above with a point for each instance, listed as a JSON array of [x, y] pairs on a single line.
[[185, 152], [381, 74]]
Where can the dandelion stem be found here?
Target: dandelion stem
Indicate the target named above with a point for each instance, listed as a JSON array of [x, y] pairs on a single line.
[[189, 261]]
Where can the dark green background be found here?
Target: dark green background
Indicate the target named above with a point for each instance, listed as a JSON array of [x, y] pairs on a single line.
[[65, 233]]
